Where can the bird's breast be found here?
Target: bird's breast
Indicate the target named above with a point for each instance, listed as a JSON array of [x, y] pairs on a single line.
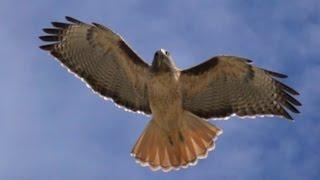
[[164, 95]]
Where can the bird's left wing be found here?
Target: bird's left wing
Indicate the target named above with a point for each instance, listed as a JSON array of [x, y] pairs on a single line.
[[102, 59], [227, 85]]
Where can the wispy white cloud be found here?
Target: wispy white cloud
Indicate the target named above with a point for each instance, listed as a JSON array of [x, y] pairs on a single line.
[[52, 126]]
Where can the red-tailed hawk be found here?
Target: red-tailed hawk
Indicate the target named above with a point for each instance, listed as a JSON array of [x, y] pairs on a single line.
[[179, 101]]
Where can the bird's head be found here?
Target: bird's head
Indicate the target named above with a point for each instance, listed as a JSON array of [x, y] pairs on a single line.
[[162, 62]]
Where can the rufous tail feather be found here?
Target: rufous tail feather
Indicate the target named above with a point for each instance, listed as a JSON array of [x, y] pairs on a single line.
[[181, 147]]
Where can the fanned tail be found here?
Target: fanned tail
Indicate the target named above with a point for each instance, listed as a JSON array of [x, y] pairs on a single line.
[[172, 149]]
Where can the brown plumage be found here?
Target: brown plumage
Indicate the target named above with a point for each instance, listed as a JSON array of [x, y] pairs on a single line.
[[231, 85], [177, 136]]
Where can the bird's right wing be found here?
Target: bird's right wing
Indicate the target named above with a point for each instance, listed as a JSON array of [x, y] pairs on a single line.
[[103, 60], [227, 85]]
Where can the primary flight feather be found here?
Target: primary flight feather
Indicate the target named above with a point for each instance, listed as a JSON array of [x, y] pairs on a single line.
[[179, 101]]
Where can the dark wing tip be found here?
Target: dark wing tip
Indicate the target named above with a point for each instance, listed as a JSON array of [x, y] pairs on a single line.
[[275, 74], [291, 107], [47, 47], [297, 103], [96, 24], [52, 30], [73, 20], [286, 115], [290, 99], [248, 60], [60, 25], [49, 38], [101, 26], [296, 93], [286, 88], [53, 35]]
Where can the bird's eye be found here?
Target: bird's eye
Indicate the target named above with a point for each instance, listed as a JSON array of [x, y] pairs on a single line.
[[156, 54], [167, 53]]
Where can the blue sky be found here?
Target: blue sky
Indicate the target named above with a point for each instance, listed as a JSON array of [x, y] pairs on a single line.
[[53, 127]]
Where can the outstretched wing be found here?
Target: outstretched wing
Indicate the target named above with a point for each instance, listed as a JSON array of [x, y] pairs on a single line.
[[102, 59], [227, 85]]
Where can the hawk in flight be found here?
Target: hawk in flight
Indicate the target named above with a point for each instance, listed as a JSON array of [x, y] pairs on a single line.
[[179, 101]]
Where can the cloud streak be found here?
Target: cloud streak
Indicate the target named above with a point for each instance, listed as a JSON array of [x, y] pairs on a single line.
[[52, 126]]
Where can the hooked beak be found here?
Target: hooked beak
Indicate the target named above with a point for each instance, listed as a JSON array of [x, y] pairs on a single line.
[[163, 52]]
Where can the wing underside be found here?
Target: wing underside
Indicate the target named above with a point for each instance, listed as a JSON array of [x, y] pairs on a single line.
[[227, 85], [102, 59]]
